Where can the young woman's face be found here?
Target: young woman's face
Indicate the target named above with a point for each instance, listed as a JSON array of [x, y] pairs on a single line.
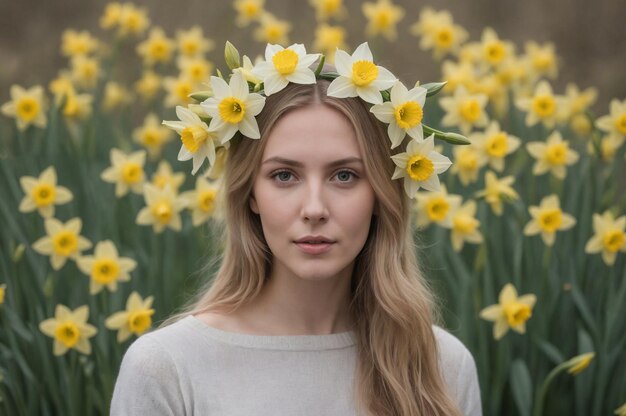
[[312, 184]]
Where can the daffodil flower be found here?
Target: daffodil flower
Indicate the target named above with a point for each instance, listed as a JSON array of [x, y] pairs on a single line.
[[359, 76], [162, 208], [609, 236], [69, 329], [464, 225], [547, 219], [203, 201], [496, 190], [382, 16], [436, 206], [43, 193], [553, 156], [198, 139], [105, 267], [136, 319], [27, 106], [615, 122], [404, 113], [511, 312], [62, 242], [464, 110], [285, 65], [419, 166], [126, 171], [494, 145], [233, 108], [543, 106]]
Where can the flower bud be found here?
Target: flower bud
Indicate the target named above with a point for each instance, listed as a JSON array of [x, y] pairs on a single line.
[[232, 56]]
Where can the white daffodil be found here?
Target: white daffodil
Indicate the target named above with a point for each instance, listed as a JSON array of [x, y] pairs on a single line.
[[420, 165], [404, 113], [198, 139], [282, 66], [359, 76], [233, 108]]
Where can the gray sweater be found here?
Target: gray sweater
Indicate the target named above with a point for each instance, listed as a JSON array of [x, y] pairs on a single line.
[[190, 368]]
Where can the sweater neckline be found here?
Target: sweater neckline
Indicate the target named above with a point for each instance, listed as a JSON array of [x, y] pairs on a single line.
[[276, 342]]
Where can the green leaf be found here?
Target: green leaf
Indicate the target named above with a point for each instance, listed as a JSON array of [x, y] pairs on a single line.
[[521, 386], [432, 88]]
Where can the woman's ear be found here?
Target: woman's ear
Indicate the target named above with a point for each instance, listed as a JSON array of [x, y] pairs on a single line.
[[253, 205]]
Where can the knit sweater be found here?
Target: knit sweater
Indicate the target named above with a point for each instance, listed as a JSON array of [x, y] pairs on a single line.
[[190, 368]]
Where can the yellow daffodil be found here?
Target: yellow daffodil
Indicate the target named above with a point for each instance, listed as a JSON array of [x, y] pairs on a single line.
[[162, 208], [85, 71], [111, 16], [178, 90], [511, 312], [3, 288], [438, 32], [126, 171], [494, 50], [327, 9], [328, 39], [105, 267], [42, 193], [419, 166], [464, 225], [577, 364], [542, 59], [547, 219], [26, 106], [272, 30], [614, 123], [152, 135], [382, 18], [608, 147], [435, 207], [496, 190], [464, 110], [165, 176], [543, 106], [577, 103], [609, 236], [115, 96], [192, 43], [62, 242], [77, 107], [148, 85], [233, 108], [61, 87], [198, 139], [457, 74], [69, 329], [494, 145], [621, 411], [158, 48], [75, 43], [467, 163], [285, 65], [136, 319], [203, 201], [359, 76], [132, 20], [553, 156], [196, 69], [403, 113], [248, 11]]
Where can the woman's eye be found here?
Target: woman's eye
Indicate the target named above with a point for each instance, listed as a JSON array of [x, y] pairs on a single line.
[[345, 175], [283, 175]]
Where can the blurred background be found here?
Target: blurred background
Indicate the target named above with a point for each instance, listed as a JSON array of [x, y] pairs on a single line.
[[589, 37]]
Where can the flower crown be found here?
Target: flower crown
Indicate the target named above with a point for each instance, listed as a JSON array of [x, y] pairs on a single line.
[[232, 107]]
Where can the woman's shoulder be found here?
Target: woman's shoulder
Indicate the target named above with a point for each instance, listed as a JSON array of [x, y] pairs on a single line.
[[450, 347]]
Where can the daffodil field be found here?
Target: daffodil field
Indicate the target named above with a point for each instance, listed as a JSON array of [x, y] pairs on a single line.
[[105, 231]]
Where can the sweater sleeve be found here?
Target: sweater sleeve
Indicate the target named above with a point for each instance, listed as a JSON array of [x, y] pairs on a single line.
[[468, 388], [148, 382]]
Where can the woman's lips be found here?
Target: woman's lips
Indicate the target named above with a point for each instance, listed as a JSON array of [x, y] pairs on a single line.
[[318, 248]]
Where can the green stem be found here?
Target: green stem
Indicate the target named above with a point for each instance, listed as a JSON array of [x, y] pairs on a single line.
[[538, 408], [320, 65], [452, 138]]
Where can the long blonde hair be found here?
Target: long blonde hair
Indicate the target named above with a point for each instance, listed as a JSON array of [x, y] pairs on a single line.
[[391, 304]]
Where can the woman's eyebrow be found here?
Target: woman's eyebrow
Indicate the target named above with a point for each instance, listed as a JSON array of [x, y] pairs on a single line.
[[295, 163]]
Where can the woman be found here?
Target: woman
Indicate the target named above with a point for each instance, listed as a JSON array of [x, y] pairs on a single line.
[[319, 307]]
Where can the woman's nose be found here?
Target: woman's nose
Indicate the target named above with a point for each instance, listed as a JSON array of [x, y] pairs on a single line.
[[314, 206]]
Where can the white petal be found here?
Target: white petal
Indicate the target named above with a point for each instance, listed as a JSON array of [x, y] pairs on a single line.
[[184, 154], [302, 77], [255, 103], [370, 94], [399, 94], [343, 63], [186, 115], [270, 51], [385, 79], [274, 83], [239, 86], [432, 183], [341, 87], [362, 53], [220, 88], [384, 112], [396, 134], [249, 127]]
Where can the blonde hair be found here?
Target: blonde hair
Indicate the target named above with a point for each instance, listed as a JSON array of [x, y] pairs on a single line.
[[391, 304]]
